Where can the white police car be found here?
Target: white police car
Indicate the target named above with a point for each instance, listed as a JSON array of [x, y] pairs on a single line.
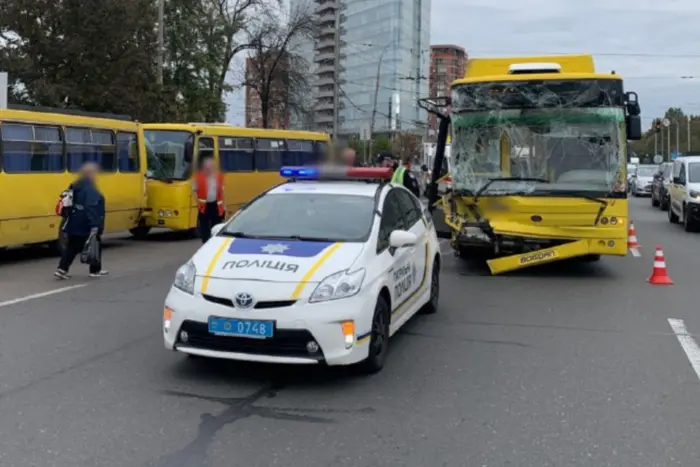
[[323, 268]]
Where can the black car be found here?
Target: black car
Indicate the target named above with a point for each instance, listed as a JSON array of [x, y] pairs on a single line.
[[659, 186]]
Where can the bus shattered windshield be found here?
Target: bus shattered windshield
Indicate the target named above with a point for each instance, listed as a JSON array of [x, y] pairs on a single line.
[[551, 138]]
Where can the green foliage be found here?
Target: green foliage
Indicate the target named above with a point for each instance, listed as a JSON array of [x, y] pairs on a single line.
[[679, 123], [101, 55], [94, 55]]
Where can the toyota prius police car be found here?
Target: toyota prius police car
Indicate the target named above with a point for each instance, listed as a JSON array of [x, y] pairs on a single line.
[[321, 269]]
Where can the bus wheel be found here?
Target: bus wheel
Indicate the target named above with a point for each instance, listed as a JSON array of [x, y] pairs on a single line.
[[140, 232]]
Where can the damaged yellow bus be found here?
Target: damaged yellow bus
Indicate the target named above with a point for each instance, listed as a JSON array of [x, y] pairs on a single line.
[[539, 158]]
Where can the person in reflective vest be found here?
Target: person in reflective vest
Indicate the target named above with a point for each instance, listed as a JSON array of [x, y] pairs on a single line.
[[404, 175], [209, 188]]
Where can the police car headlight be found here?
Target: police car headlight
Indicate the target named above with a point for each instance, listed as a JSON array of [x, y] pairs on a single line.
[[184, 278], [342, 284]]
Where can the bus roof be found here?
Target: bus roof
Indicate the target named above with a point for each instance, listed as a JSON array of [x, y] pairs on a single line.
[[537, 76], [481, 67], [70, 119], [219, 129]]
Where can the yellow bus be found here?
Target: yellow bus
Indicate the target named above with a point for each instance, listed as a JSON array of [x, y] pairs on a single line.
[[539, 152], [40, 153], [249, 159]]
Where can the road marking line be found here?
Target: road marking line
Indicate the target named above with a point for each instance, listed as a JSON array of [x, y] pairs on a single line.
[[691, 348], [40, 295]]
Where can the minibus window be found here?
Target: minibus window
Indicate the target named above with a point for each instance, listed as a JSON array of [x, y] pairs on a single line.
[[86, 145], [298, 153], [173, 151], [236, 154], [31, 148], [128, 152], [268, 154]]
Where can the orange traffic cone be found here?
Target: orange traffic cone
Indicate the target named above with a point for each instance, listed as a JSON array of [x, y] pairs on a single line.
[[659, 276], [632, 242]]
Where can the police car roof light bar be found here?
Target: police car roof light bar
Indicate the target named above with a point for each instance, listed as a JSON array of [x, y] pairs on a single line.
[[336, 173]]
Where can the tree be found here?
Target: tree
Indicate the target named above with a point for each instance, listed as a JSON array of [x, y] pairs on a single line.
[[202, 39], [651, 141], [94, 55], [275, 70], [407, 144]]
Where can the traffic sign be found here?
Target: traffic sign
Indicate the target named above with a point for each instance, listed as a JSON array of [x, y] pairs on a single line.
[[658, 159], [666, 122]]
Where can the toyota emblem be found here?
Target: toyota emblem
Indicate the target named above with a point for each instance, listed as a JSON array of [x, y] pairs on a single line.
[[243, 300]]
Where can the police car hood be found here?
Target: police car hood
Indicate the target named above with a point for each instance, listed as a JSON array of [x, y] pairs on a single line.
[[273, 260]]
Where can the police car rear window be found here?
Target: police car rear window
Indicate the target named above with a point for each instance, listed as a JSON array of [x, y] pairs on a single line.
[[337, 218]]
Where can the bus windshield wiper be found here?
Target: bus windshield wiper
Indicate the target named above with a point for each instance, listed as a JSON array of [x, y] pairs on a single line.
[[481, 190], [304, 238], [238, 234]]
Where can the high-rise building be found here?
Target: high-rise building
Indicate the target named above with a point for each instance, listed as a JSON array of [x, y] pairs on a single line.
[[383, 68], [447, 63], [277, 113]]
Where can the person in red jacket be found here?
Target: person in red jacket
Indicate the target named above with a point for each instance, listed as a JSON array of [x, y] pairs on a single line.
[[209, 187]]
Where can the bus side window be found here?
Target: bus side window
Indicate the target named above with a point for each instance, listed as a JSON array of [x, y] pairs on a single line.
[[299, 153], [236, 154], [320, 152], [31, 148], [85, 145], [128, 152], [205, 150], [268, 154]]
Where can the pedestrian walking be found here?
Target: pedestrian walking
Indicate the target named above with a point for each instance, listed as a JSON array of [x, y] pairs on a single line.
[[209, 187], [83, 222]]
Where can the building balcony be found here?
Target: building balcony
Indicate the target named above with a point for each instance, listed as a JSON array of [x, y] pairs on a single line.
[[325, 92]]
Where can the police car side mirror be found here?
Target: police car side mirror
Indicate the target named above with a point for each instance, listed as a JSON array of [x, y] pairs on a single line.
[[216, 229], [402, 238]]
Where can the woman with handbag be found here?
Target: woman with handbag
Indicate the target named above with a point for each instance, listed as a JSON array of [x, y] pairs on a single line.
[[84, 224]]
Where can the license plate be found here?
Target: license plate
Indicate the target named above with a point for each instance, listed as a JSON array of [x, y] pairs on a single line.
[[253, 329]]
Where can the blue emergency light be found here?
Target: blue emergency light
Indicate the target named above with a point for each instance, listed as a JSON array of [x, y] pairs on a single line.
[[308, 173], [336, 173]]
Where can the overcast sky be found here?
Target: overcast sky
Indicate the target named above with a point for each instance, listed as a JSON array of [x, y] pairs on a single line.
[[651, 43]]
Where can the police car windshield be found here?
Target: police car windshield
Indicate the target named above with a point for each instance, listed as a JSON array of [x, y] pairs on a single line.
[[340, 218]]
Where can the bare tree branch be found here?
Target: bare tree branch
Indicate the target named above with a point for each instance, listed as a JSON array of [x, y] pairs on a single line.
[[276, 70]]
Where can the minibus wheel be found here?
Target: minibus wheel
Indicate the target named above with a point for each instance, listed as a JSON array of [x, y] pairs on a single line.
[[140, 232]]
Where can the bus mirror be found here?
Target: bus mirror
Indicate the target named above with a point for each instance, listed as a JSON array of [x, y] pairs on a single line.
[[634, 127]]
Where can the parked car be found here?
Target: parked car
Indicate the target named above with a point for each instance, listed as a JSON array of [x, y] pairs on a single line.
[[684, 193], [659, 186], [641, 180]]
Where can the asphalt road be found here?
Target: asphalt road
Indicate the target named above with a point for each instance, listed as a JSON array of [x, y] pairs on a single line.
[[571, 365]]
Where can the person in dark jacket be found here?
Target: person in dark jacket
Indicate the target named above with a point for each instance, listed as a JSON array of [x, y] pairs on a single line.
[[85, 218]]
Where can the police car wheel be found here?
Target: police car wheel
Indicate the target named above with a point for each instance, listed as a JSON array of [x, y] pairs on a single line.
[[379, 341], [432, 305]]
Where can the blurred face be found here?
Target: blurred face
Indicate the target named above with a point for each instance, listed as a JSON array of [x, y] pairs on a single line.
[[90, 170], [208, 165], [387, 163], [349, 156]]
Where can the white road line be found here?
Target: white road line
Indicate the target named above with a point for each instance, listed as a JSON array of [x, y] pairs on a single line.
[[40, 295], [691, 348]]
